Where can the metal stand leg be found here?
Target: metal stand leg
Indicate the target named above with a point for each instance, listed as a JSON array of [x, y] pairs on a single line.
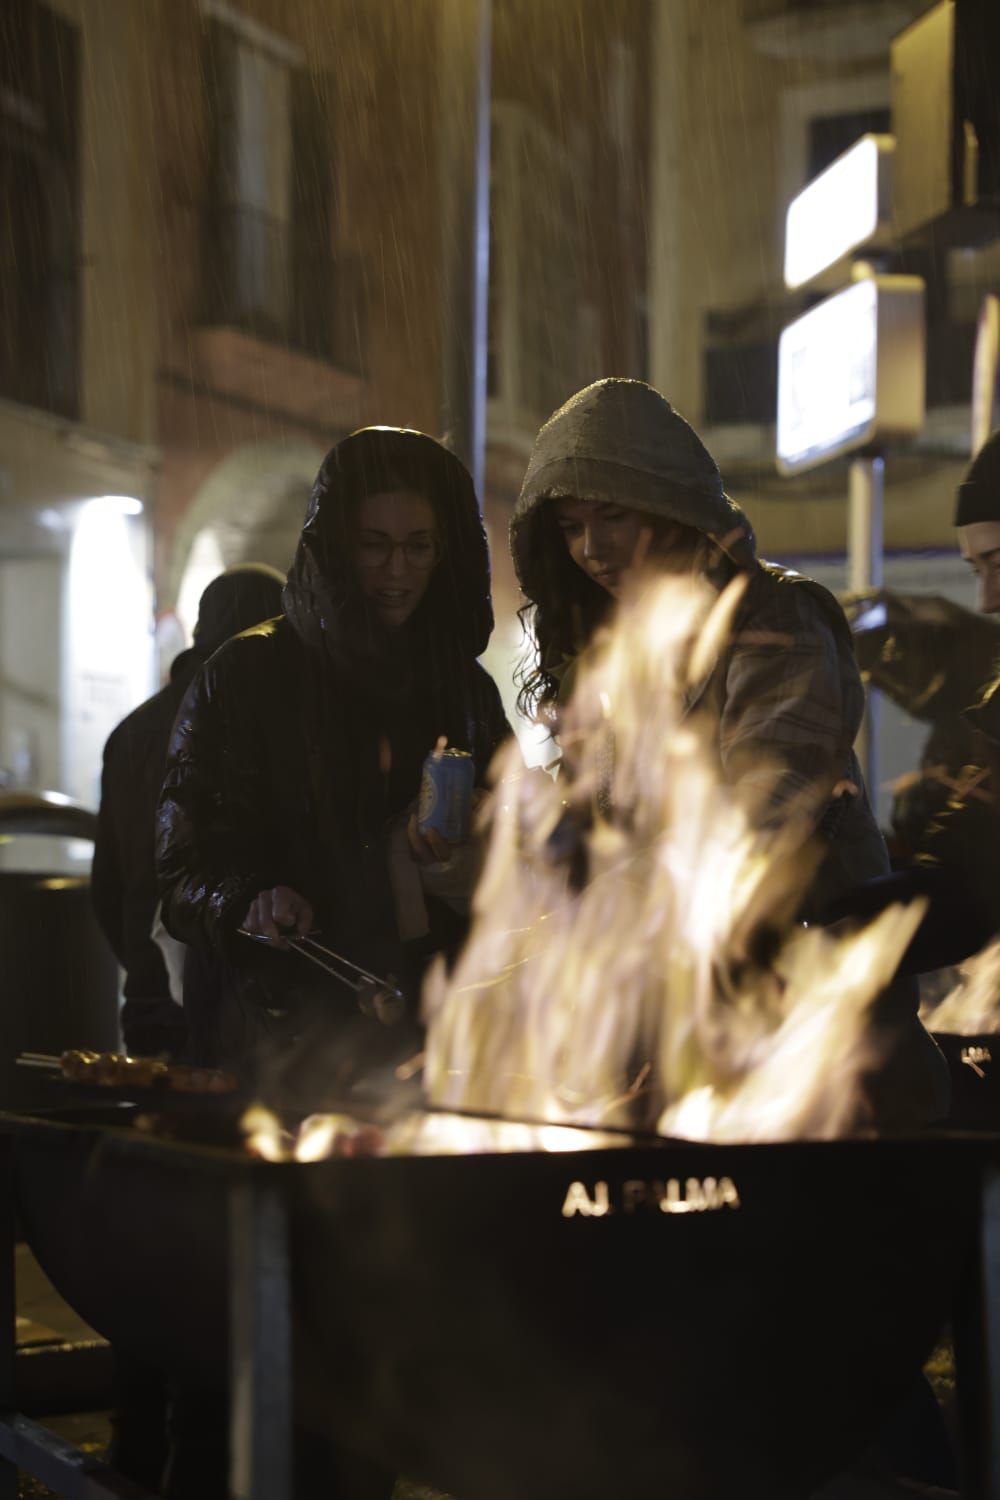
[[8, 1305], [977, 1354], [866, 481], [260, 1343]]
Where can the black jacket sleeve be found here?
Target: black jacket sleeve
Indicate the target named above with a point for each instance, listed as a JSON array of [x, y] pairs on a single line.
[[213, 850], [107, 889]]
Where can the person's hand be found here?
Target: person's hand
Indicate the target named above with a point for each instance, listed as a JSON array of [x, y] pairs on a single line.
[[427, 848], [279, 914]]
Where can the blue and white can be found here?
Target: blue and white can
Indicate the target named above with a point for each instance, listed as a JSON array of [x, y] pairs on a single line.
[[446, 794]]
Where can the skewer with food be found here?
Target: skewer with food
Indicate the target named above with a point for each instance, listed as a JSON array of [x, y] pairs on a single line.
[[117, 1070]]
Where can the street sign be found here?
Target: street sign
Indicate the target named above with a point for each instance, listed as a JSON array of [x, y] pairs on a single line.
[[851, 372], [946, 118], [846, 208]]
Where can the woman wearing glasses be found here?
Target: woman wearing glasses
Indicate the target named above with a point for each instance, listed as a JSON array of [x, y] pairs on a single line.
[[296, 759]]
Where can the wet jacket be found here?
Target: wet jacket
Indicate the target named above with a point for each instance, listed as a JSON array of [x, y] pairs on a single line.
[[123, 880], [933, 658], [302, 740], [786, 691]]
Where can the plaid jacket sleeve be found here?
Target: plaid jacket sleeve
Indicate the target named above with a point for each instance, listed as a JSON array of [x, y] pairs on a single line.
[[792, 701]]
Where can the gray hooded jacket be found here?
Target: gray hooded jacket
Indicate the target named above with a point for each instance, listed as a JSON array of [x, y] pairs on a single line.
[[786, 692]]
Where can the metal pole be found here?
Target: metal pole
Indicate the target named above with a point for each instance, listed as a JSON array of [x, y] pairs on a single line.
[[984, 371], [465, 37], [976, 1323], [865, 498], [8, 1305], [260, 1341]]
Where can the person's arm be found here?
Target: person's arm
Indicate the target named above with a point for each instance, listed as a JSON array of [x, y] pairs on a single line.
[[492, 730], [214, 848], [107, 891], [792, 706]]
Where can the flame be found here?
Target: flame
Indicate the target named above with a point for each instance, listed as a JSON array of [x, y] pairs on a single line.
[[972, 1008], [317, 1137], [633, 960], [264, 1135], [443, 1134]]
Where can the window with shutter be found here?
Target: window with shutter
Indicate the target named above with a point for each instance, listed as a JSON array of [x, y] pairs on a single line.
[[269, 258], [39, 186], [539, 325], [314, 322], [269, 267], [249, 211]]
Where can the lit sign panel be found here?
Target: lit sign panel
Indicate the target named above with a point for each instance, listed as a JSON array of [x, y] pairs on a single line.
[[851, 372], [845, 208]]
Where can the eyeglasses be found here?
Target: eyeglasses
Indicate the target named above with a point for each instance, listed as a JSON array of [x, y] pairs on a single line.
[[420, 552]]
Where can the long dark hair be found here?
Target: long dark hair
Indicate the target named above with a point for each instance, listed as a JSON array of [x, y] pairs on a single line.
[[569, 607]]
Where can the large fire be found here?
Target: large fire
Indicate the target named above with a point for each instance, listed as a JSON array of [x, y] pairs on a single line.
[[972, 1008], [634, 963], [633, 959]]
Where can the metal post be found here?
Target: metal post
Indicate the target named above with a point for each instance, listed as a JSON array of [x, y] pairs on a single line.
[[8, 1305], [984, 371], [866, 484], [260, 1342], [976, 1325], [465, 225]]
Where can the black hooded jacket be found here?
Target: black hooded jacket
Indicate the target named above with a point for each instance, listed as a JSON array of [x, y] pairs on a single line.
[[304, 738], [123, 878]]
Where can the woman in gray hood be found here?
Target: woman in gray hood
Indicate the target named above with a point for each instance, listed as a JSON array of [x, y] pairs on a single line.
[[617, 477]]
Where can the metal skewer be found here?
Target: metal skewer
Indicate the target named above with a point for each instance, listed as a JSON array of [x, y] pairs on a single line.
[[355, 984], [349, 963], [305, 946]]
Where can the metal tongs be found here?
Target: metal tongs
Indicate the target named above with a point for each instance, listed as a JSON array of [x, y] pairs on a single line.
[[379, 997]]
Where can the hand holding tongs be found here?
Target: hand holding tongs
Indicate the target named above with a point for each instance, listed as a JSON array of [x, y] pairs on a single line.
[[380, 997]]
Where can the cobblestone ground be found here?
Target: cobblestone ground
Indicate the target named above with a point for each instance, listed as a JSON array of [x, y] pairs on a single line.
[[92, 1437]]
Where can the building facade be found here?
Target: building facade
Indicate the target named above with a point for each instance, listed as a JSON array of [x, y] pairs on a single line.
[[226, 253]]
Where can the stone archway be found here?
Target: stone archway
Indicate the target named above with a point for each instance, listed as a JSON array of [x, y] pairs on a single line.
[[252, 505]]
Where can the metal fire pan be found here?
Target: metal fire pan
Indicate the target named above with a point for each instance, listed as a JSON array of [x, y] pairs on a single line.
[[697, 1320]]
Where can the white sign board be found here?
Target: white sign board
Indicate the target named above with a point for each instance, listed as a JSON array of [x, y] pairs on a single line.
[[851, 372], [846, 208]]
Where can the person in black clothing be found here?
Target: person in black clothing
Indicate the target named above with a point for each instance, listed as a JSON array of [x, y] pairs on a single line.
[[125, 897], [935, 659], [123, 880], [296, 760]]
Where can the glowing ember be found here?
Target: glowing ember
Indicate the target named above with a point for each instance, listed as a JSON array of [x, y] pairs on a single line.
[[973, 1006], [318, 1137], [633, 959]]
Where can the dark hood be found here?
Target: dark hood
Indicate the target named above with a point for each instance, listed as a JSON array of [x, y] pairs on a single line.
[[321, 597], [618, 441]]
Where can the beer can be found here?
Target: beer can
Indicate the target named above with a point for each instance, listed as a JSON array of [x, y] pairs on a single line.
[[446, 794]]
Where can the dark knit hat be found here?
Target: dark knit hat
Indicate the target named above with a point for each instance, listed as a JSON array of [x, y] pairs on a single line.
[[242, 596], [978, 496]]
